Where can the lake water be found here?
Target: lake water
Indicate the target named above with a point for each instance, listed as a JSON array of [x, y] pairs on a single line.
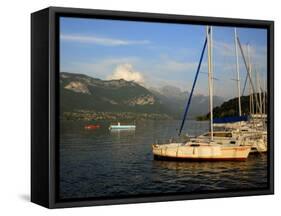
[[102, 163]]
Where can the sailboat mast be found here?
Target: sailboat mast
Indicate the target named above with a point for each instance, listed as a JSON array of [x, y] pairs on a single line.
[[237, 71], [210, 77], [250, 77], [257, 91], [260, 94], [264, 97]]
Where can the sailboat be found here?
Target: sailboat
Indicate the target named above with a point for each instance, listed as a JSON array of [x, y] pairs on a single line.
[[122, 127], [208, 149], [249, 128]]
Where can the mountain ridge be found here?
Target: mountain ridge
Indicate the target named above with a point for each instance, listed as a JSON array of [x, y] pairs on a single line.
[[80, 92], [230, 108]]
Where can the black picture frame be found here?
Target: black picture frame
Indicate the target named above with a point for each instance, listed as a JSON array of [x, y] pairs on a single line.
[[45, 103]]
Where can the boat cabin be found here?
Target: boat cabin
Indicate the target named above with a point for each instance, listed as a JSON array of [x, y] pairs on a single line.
[[218, 134]]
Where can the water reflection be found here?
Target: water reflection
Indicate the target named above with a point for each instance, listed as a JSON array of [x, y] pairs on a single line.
[[123, 132], [103, 162], [215, 167]]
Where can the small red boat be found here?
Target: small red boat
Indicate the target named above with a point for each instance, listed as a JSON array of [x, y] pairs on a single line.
[[92, 126]]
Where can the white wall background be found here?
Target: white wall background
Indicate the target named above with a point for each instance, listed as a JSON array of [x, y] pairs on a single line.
[[15, 106]]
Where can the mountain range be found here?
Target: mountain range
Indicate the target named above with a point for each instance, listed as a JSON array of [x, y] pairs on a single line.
[[82, 92]]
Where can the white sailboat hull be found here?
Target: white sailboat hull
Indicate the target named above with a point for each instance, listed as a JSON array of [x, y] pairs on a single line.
[[203, 152], [257, 143]]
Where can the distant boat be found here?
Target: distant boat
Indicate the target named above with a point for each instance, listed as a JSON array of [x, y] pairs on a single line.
[[119, 126], [91, 126]]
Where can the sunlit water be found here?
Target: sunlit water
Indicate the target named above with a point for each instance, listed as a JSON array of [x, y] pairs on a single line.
[[102, 163]]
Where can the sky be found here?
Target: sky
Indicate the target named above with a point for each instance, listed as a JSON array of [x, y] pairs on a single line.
[[159, 54]]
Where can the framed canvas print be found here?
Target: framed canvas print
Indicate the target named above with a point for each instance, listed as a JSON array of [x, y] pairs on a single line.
[[139, 107]]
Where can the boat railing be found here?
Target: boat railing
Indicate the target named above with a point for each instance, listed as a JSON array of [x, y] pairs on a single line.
[[172, 140]]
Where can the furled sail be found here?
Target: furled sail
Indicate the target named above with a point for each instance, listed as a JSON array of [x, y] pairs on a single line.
[[193, 86]]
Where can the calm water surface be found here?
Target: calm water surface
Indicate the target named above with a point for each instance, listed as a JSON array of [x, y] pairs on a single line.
[[103, 163]]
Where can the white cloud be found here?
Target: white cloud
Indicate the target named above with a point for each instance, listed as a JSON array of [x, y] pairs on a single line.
[[98, 68], [101, 40], [126, 72]]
